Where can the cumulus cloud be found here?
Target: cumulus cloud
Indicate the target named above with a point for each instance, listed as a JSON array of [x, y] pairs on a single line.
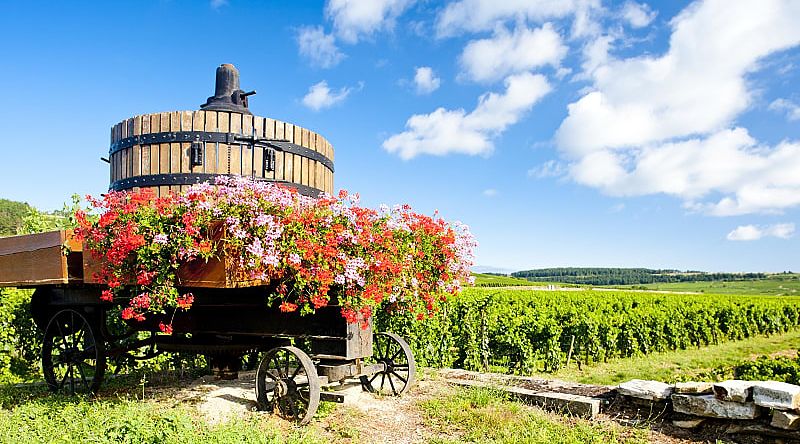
[[320, 96], [753, 232], [483, 15], [665, 124], [638, 15], [318, 47], [791, 109], [507, 52], [455, 131], [425, 80], [353, 19]]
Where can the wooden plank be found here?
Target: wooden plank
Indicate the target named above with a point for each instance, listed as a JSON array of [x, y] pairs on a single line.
[[36, 259], [279, 165], [224, 151], [124, 164], [174, 148], [288, 167], [297, 173], [247, 124], [210, 149], [159, 123], [305, 138], [235, 165], [288, 132], [280, 130], [317, 166], [258, 152], [248, 153], [298, 135], [186, 148], [306, 168]]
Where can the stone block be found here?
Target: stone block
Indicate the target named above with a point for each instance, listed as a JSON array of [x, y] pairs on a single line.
[[785, 420], [693, 388], [734, 390], [777, 395], [710, 407], [650, 390]]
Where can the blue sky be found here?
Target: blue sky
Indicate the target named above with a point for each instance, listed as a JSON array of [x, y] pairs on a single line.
[[564, 132]]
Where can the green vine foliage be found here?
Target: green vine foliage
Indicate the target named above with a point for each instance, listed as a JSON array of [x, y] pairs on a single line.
[[20, 339], [518, 331], [781, 368]]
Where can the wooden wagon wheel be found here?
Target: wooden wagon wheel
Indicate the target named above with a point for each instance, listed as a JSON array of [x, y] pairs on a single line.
[[400, 369], [287, 383], [73, 356]]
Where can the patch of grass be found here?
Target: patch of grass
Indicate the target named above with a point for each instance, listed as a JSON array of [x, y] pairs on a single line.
[[714, 362], [30, 414], [486, 416]]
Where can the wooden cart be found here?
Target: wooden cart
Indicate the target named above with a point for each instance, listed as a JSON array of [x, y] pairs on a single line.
[[227, 320]]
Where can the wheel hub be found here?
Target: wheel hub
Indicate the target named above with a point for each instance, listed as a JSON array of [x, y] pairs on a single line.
[[70, 355], [281, 389]]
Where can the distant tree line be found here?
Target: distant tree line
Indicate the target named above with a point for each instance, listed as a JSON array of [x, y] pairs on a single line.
[[626, 276], [21, 218]]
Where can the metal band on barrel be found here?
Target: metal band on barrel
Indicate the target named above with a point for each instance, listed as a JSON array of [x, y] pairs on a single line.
[[228, 138], [191, 179]]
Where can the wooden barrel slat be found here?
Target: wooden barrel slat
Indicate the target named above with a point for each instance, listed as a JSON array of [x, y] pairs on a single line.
[[210, 149]]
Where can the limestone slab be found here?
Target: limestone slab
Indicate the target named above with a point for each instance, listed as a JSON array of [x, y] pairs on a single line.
[[710, 407], [693, 388], [650, 390], [734, 390], [777, 395]]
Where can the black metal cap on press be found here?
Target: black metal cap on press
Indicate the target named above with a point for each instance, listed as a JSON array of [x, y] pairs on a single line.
[[227, 94]]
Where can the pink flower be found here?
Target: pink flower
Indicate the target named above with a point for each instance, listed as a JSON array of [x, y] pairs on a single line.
[[160, 238]]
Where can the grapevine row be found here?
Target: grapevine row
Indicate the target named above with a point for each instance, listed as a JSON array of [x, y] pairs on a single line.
[[524, 330]]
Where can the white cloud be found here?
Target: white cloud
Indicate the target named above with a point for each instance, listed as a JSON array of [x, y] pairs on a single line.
[[425, 80], [483, 15], [319, 48], [753, 232], [509, 53], [456, 131], [791, 109], [353, 19], [320, 96], [216, 4], [551, 168], [666, 124], [595, 55], [638, 15], [489, 192]]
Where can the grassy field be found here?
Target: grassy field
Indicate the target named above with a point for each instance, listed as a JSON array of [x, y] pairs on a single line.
[[777, 285], [711, 363], [482, 280]]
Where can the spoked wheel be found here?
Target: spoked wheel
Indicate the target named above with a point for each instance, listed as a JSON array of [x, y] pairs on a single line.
[[400, 370], [287, 384], [73, 356]]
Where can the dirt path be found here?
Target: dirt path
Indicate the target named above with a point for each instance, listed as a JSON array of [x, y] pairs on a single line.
[[363, 418]]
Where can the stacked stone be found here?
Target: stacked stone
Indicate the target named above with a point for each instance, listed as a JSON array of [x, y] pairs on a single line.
[[734, 400]]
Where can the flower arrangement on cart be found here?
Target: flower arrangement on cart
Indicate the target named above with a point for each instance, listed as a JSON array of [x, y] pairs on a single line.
[[314, 249]]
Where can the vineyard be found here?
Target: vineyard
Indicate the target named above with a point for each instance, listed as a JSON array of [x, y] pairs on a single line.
[[521, 331]]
